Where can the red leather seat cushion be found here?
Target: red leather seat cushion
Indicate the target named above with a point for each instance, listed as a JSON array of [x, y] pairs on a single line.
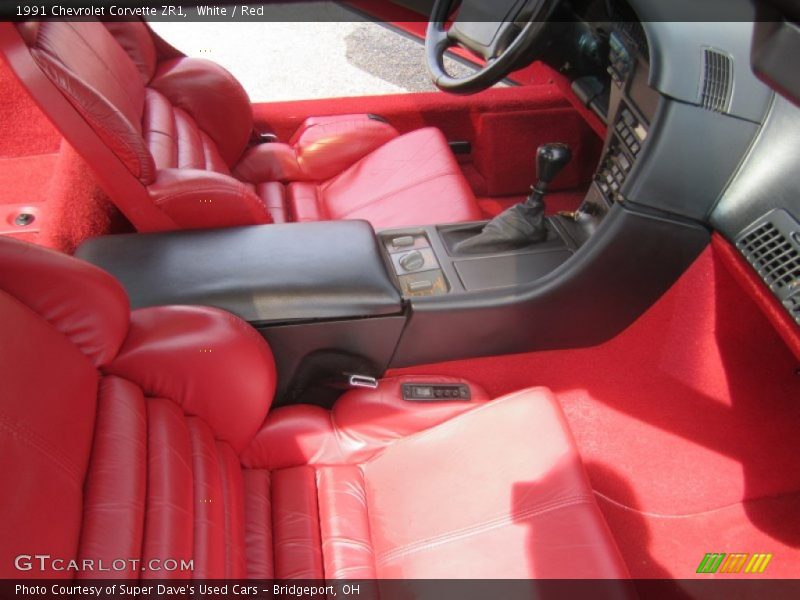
[[389, 489], [412, 180], [170, 120]]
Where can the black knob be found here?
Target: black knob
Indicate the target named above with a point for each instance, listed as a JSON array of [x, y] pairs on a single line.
[[550, 159]]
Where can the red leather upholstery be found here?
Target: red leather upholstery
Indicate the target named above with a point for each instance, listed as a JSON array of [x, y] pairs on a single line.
[[320, 149], [135, 39], [194, 198], [225, 116], [174, 139], [100, 80], [381, 489], [149, 431], [189, 115], [412, 180]]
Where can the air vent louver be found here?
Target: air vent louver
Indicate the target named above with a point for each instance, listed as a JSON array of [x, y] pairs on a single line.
[[717, 84], [772, 246]]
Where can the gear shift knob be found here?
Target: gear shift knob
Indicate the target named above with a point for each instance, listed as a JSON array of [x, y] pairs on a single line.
[[524, 223], [550, 160]]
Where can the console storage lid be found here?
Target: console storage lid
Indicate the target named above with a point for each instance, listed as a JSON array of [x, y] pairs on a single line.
[[263, 273]]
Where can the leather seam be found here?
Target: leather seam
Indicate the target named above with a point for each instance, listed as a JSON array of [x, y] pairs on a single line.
[[423, 433], [319, 523], [34, 440], [315, 196], [368, 519], [187, 129], [272, 525], [172, 137], [482, 527], [97, 126], [227, 508], [201, 190], [175, 136], [335, 178], [107, 68], [400, 190]]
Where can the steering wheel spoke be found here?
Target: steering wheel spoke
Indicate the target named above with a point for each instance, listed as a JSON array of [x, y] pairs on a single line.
[[497, 32]]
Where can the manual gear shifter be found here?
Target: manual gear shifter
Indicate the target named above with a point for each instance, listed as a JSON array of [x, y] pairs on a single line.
[[523, 223]]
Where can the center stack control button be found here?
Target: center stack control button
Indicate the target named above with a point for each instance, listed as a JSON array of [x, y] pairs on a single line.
[[422, 285], [403, 241], [412, 261]]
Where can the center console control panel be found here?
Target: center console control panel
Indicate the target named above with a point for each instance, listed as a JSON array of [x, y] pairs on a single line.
[[623, 149], [427, 265], [415, 265]]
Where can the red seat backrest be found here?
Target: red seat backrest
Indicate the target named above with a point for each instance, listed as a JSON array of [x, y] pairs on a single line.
[[116, 429]]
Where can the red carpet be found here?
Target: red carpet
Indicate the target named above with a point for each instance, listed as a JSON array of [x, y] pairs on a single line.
[[688, 422], [41, 174], [24, 130]]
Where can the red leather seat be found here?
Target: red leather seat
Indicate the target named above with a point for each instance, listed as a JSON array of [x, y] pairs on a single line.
[[146, 436], [181, 127]]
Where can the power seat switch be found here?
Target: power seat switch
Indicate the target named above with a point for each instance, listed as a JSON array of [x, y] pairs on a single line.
[[434, 392]]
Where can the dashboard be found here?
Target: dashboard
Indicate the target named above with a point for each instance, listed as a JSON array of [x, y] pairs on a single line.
[[632, 104], [693, 134]]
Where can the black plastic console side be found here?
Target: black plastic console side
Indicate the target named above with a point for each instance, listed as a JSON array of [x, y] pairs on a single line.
[[265, 274], [632, 259]]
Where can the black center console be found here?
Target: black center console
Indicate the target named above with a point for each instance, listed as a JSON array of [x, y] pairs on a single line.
[[425, 261], [319, 292], [267, 275], [337, 298], [334, 298]]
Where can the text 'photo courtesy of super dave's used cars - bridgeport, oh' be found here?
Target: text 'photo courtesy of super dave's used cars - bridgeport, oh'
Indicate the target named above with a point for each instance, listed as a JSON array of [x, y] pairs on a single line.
[[408, 299]]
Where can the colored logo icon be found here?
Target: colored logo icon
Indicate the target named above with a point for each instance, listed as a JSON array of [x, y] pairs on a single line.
[[720, 562]]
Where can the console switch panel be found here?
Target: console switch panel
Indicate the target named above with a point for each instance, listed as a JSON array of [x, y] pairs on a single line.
[[435, 392], [415, 264]]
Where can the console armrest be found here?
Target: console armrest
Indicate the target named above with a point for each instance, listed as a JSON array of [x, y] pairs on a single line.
[[263, 273]]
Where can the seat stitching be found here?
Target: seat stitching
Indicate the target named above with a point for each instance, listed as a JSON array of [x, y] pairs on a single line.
[[34, 440], [395, 192], [204, 189], [355, 165], [227, 508], [424, 433], [367, 519], [482, 527], [106, 66], [126, 150], [319, 519]]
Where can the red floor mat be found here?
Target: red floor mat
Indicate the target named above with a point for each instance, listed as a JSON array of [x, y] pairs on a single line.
[[688, 423]]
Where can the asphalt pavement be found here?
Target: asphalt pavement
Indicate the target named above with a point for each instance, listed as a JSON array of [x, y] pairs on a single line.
[[342, 54]]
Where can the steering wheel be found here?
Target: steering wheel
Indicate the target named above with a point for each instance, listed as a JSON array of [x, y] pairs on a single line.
[[498, 31]]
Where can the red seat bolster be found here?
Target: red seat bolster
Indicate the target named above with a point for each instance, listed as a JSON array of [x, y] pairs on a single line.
[[197, 199], [321, 148], [192, 355]]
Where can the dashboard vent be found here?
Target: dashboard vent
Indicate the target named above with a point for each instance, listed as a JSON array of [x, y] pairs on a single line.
[[717, 84], [772, 246]]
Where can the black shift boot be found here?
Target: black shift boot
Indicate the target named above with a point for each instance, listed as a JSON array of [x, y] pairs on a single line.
[[524, 223]]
